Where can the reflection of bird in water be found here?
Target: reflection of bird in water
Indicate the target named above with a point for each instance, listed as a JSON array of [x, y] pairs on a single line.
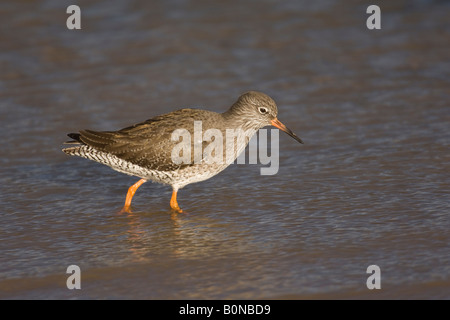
[[145, 149]]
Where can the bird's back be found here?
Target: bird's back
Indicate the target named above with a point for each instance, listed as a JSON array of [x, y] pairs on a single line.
[[148, 144]]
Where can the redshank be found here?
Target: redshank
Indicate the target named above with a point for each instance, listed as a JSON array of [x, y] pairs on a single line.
[[145, 150]]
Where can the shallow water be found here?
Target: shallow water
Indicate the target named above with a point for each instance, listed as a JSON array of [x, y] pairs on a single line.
[[370, 185]]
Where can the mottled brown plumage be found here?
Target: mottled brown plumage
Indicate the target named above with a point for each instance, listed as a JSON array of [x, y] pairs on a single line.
[[145, 149], [148, 144]]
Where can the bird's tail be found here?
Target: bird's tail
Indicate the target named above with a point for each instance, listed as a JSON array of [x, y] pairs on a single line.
[[74, 151], [75, 137]]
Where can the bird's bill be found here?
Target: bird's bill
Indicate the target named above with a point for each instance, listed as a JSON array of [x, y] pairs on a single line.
[[276, 123]]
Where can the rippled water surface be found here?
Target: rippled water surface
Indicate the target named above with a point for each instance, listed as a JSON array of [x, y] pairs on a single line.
[[369, 186]]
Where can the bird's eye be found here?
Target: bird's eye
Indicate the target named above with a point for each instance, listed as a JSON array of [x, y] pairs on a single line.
[[263, 110]]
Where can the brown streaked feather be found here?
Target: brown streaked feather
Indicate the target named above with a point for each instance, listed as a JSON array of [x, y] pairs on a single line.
[[75, 137], [147, 144]]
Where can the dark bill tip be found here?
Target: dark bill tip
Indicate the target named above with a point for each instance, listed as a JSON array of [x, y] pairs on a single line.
[[276, 123]]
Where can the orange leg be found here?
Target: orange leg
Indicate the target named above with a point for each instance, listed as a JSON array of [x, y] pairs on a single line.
[[130, 194], [174, 203]]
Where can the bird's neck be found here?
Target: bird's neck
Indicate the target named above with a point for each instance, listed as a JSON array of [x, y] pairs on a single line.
[[236, 118]]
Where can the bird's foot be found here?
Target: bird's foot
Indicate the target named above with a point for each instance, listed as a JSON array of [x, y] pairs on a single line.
[[125, 209], [177, 209], [174, 204]]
